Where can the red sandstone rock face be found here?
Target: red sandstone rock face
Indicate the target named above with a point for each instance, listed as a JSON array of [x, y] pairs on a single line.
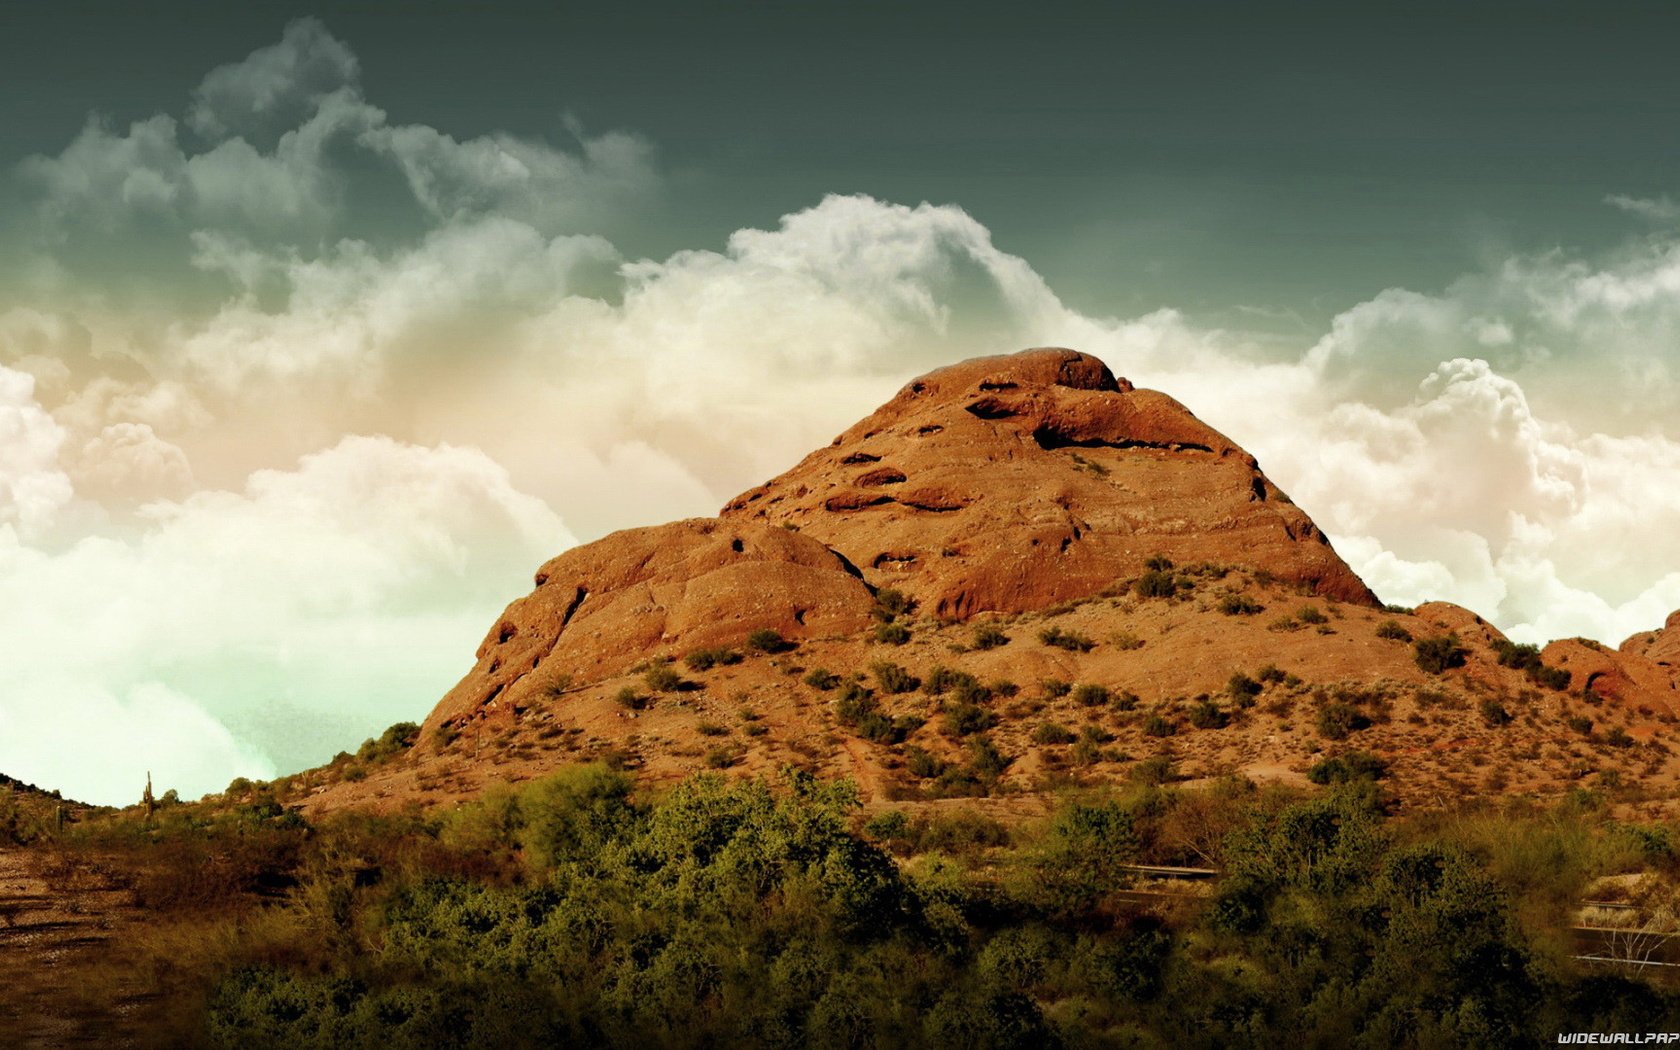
[[1661, 647], [1012, 483], [600, 608]]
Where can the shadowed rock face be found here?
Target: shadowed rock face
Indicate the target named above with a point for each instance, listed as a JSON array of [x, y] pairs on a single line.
[[603, 607], [1012, 483]]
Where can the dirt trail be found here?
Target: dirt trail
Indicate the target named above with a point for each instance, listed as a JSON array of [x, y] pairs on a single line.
[[56, 931]]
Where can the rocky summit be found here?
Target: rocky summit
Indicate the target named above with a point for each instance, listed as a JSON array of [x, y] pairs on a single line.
[[1007, 484]]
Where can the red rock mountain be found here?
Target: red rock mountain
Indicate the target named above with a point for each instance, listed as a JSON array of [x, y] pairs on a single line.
[[1001, 484], [1007, 484]]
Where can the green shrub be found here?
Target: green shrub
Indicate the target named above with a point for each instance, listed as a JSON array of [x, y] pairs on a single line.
[[822, 678], [922, 764], [1239, 605], [1439, 653], [1155, 725], [942, 680], [1349, 767], [1241, 687], [629, 699], [1580, 724], [1618, 737], [1126, 641], [889, 824], [1126, 700], [1070, 640], [891, 602], [1090, 694], [1338, 720], [893, 678], [662, 678], [1055, 688], [1207, 715], [706, 659], [989, 637], [892, 633], [1392, 630], [766, 640], [1053, 733], [964, 719], [711, 729], [1494, 713], [1156, 583], [1310, 614]]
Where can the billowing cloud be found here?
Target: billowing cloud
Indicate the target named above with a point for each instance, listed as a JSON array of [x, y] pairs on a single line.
[[273, 86], [32, 487], [241, 632]]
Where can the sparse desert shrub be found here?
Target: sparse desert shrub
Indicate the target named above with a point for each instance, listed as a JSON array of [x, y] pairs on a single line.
[[1439, 653], [942, 680], [395, 740], [1239, 605], [1310, 614], [1618, 737], [1155, 725], [1242, 687], [964, 719], [721, 757], [1126, 641], [1154, 770], [1053, 733], [662, 678], [1392, 630], [1072, 641], [1349, 767], [1158, 563], [1089, 694], [706, 659], [711, 729], [1205, 714], [892, 633], [923, 764], [1338, 720], [989, 637], [1495, 714], [890, 602], [1526, 658], [766, 640], [1126, 700], [1156, 583], [1271, 674], [892, 678], [629, 699], [1055, 688], [1581, 724], [822, 678]]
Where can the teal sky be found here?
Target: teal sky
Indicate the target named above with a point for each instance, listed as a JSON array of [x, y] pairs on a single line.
[[1290, 158]]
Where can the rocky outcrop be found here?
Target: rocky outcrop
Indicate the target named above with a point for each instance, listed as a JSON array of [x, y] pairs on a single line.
[[600, 608], [1013, 483]]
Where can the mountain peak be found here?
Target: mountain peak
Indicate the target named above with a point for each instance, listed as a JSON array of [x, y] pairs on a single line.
[[1004, 484]]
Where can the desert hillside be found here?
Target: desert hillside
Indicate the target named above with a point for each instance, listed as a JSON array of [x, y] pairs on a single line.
[[1019, 573]]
